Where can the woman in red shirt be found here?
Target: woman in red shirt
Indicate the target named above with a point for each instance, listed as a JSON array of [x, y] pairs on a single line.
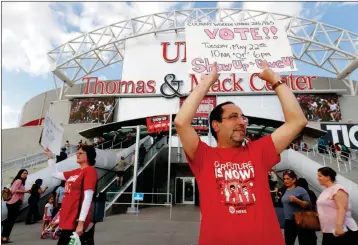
[[13, 205], [79, 188]]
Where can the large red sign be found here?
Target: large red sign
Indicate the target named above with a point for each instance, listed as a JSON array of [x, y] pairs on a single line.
[[201, 119], [234, 83], [157, 124]]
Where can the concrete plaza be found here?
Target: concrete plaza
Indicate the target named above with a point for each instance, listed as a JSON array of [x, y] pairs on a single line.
[[151, 227]]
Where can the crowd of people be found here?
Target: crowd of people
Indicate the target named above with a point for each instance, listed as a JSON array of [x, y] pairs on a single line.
[[336, 150], [320, 107], [91, 110]]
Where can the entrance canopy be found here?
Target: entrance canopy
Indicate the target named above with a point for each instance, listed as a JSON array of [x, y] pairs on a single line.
[[257, 124]]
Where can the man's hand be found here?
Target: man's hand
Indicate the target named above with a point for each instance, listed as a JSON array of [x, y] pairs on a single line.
[[268, 75], [212, 76]]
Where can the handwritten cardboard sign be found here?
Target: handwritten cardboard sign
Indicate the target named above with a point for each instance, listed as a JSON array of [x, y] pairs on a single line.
[[238, 47], [51, 135]]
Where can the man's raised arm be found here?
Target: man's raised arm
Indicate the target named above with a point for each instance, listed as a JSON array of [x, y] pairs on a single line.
[[295, 120], [186, 132]]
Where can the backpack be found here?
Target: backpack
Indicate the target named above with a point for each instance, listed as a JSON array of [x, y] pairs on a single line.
[[6, 194]]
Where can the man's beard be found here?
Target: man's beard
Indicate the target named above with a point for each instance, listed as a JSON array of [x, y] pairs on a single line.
[[236, 139]]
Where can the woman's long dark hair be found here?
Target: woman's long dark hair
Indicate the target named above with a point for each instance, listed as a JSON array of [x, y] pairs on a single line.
[[18, 176]]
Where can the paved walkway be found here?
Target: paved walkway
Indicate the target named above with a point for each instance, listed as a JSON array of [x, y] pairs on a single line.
[[151, 227]]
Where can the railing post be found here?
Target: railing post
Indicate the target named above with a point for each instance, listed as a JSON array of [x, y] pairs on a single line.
[[169, 155], [134, 183]]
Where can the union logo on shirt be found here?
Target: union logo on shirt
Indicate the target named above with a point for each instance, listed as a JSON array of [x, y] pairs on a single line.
[[69, 183], [235, 182]]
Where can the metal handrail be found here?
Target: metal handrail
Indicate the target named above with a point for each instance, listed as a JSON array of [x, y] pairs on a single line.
[[39, 159], [128, 183], [125, 169], [115, 166], [330, 156], [12, 159], [16, 158], [97, 146]]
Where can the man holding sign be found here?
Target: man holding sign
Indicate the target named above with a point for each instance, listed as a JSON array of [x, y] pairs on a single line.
[[235, 200]]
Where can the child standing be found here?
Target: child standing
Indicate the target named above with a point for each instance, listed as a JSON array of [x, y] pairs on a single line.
[[47, 213]]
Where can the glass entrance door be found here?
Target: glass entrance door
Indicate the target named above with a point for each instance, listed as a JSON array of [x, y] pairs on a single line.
[[185, 190]]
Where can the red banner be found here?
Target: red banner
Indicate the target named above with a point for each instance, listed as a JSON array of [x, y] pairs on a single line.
[[157, 124], [201, 119]]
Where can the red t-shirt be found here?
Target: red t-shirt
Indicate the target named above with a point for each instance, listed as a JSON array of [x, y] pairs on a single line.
[[235, 200], [71, 200]]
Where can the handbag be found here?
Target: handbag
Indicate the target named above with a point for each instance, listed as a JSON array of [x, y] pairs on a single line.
[[6, 194], [307, 219]]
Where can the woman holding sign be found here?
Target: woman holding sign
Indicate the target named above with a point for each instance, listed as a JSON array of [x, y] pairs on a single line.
[[79, 188]]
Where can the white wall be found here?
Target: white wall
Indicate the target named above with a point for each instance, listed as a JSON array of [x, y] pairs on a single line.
[[38, 106], [264, 106], [132, 108], [25, 140], [307, 168], [349, 110], [59, 111], [208, 140]]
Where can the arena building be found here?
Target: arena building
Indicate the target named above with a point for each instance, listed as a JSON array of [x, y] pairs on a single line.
[[154, 83]]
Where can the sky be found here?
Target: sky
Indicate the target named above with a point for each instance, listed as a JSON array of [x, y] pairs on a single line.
[[30, 30]]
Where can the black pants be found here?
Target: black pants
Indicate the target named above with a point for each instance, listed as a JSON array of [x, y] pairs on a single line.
[[55, 210], [305, 237], [86, 239], [33, 214], [350, 238], [12, 213]]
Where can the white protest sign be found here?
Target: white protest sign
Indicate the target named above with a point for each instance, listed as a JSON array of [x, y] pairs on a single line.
[[52, 135], [238, 47]]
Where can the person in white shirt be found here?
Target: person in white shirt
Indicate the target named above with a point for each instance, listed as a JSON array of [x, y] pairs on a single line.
[[333, 108], [107, 111], [47, 213]]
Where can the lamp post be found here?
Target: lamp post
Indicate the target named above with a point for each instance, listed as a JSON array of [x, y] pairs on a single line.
[[169, 156], [134, 184]]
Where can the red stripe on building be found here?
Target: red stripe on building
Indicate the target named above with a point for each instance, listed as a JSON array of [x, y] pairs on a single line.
[[36, 122]]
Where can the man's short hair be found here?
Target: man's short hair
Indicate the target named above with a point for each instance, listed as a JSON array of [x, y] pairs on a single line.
[[216, 115]]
